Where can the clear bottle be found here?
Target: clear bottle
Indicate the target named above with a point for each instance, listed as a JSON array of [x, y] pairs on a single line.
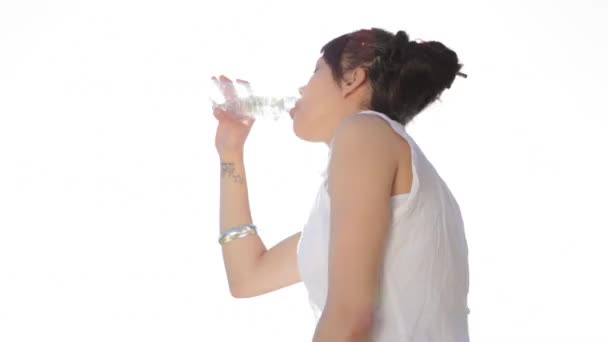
[[249, 105], [271, 107]]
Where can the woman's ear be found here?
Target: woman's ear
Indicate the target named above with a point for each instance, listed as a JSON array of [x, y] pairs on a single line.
[[353, 80]]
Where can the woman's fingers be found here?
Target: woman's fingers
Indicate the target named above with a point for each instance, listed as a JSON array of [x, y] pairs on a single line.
[[223, 115], [217, 112], [228, 111], [227, 88], [245, 85], [216, 82]]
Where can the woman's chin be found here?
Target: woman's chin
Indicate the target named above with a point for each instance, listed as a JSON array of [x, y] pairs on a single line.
[[294, 129]]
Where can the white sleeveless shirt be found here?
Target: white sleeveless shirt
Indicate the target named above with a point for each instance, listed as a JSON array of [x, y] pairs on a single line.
[[425, 279]]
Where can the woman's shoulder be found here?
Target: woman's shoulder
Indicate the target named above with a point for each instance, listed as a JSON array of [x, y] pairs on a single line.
[[366, 127], [390, 131]]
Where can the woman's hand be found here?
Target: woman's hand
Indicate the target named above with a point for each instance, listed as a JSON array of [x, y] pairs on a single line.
[[233, 127]]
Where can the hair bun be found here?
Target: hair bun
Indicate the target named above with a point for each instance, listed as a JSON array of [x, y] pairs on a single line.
[[400, 39], [395, 50], [444, 62]]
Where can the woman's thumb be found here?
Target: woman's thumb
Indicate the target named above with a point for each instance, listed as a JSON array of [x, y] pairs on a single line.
[[248, 121], [217, 113]]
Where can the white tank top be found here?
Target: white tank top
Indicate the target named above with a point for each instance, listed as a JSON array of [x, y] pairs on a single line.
[[425, 279]]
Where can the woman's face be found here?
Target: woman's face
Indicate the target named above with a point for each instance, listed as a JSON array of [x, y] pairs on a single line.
[[318, 107], [324, 103]]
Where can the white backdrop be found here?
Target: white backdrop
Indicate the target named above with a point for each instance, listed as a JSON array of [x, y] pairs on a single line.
[[109, 177]]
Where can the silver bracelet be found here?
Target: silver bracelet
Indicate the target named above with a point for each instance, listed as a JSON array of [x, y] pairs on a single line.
[[236, 232]]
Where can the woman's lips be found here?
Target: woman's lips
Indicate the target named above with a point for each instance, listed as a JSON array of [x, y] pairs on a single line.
[[291, 111]]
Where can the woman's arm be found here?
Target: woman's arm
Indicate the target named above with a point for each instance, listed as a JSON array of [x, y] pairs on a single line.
[[361, 174], [251, 269]]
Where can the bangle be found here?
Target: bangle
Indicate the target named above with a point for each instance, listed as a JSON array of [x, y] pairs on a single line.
[[237, 232]]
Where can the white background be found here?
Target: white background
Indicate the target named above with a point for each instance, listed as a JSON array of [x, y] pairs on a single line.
[[109, 176]]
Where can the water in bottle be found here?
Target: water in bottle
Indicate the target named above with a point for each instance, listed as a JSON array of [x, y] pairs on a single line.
[[249, 105]]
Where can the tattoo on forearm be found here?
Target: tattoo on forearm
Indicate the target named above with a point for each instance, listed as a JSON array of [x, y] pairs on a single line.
[[228, 171]]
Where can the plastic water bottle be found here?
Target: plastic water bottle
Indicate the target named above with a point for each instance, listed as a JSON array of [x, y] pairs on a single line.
[[273, 107], [249, 105]]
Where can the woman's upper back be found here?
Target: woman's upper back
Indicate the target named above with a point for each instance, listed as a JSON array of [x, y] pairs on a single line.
[[425, 277]]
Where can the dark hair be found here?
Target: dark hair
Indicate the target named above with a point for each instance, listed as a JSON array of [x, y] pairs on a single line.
[[405, 76]]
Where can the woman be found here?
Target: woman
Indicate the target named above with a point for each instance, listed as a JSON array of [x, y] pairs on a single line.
[[389, 261]]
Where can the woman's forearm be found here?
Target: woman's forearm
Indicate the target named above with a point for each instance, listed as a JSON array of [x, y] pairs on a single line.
[[242, 254]]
